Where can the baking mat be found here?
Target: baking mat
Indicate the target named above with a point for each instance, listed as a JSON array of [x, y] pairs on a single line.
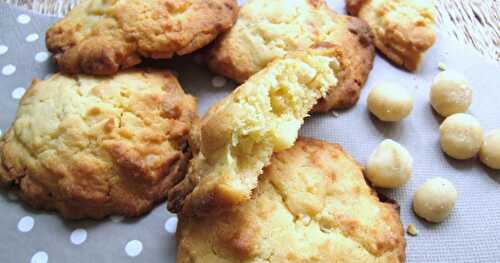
[[470, 234]]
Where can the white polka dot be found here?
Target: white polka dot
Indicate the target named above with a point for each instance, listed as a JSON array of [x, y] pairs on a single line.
[[78, 236], [23, 19], [3, 49], [32, 37], [18, 93], [171, 225], [41, 56], [133, 248], [116, 219], [8, 70], [219, 81], [26, 224], [40, 257]]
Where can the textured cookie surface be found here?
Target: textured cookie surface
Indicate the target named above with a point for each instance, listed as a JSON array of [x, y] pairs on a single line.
[[239, 134], [103, 36], [90, 147], [403, 29], [267, 30], [312, 204]]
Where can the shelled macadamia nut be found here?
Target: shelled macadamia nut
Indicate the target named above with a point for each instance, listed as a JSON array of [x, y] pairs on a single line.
[[461, 136], [390, 102], [390, 165], [450, 93], [435, 199], [490, 150]]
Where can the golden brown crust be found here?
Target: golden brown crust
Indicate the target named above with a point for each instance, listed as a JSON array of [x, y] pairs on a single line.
[[404, 29], [238, 134], [357, 39], [103, 36], [90, 147], [311, 205], [353, 6], [267, 30]]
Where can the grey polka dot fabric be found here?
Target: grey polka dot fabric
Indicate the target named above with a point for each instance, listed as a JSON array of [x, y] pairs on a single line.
[[470, 234]]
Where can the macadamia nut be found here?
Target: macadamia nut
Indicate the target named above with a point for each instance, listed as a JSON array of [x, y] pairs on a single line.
[[461, 136], [390, 165], [390, 102], [435, 199], [490, 150], [450, 93]]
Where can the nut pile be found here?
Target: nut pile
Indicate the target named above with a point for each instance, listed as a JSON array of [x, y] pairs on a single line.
[[461, 138]]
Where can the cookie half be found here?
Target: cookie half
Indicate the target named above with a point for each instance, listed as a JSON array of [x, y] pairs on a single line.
[[239, 133], [404, 29], [100, 37], [267, 30], [312, 204], [91, 147]]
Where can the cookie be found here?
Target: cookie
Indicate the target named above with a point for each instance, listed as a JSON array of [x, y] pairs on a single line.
[[101, 37], [312, 204], [356, 39], [404, 29], [267, 30], [238, 134], [91, 147]]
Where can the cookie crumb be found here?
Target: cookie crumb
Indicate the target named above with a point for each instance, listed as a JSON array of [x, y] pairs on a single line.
[[335, 114], [412, 230], [442, 66]]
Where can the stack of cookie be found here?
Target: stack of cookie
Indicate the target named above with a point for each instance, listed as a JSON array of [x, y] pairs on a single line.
[[101, 137], [104, 138]]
